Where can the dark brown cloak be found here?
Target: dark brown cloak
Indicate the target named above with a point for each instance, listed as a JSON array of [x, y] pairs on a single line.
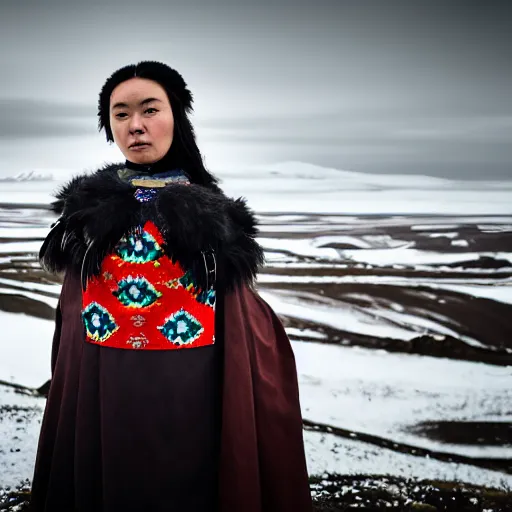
[[207, 429], [101, 399]]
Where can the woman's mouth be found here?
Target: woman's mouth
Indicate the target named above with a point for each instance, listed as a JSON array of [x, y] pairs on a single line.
[[139, 146]]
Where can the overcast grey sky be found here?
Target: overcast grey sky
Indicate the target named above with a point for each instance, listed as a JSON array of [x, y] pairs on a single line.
[[375, 86]]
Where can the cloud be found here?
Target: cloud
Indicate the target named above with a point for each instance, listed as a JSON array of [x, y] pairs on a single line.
[[22, 118], [463, 146], [352, 126]]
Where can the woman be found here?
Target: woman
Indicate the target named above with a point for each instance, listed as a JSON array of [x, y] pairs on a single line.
[[173, 383]]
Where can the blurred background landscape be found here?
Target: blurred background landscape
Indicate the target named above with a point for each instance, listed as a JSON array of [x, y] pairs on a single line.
[[374, 143]]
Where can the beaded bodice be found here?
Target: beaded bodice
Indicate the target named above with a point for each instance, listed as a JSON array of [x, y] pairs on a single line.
[[141, 298]]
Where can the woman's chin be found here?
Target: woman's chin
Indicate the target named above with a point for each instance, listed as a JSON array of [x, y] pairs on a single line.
[[142, 158]]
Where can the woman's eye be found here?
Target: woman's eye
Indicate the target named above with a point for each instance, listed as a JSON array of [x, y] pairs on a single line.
[[151, 110], [121, 115]]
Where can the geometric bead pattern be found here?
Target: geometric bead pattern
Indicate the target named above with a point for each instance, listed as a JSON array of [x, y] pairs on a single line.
[[145, 195], [203, 296], [99, 323], [143, 300], [136, 292], [181, 328], [138, 248]]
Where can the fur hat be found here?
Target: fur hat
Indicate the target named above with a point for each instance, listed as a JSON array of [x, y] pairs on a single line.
[[167, 77]]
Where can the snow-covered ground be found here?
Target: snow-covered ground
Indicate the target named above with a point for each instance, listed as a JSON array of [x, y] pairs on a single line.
[[383, 394], [327, 453], [327, 262], [358, 389], [25, 349]]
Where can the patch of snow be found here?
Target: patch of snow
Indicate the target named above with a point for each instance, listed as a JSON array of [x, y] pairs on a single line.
[[383, 394], [331, 454], [25, 348], [460, 243]]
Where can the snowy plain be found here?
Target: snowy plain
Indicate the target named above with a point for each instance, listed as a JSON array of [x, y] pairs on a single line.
[[332, 239]]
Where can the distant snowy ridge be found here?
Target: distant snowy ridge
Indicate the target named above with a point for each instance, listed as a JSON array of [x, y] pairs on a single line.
[[354, 180], [28, 176], [302, 187]]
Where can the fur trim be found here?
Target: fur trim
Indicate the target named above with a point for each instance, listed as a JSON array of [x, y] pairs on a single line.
[[97, 210]]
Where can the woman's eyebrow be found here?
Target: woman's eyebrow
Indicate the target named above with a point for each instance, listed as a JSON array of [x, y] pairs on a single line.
[[143, 102], [148, 100]]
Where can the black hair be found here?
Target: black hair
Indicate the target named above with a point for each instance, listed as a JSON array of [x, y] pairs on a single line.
[[183, 152]]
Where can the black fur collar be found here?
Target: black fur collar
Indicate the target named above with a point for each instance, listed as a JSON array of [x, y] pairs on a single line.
[[97, 209]]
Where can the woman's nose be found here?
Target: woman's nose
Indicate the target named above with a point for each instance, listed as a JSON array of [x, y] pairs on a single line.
[[136, 124]]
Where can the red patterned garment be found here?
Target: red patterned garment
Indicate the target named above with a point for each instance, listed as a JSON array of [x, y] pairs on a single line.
[[142, 300]]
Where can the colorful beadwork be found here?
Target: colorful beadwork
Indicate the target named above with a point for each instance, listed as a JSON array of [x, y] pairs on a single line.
[[99, 323], [137, 341], [142, 300], [136, 292], [138, 320], [175, 176], [187, 281], [207, 297], [145, 195], [139, 248], [181, 328]]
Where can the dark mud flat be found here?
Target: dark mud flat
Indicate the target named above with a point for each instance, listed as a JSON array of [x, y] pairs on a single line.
[[338, 493], [431, 289], [491, 433], [335, 493], [448, 280]]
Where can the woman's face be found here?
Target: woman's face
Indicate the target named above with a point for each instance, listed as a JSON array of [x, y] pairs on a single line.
[[141, 120]]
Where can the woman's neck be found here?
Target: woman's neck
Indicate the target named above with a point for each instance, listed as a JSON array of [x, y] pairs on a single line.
[[152, 168]]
